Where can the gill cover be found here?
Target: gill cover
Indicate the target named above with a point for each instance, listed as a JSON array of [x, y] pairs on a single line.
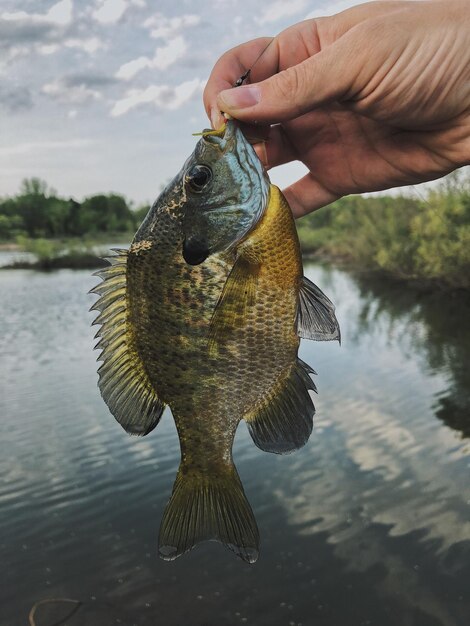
[[226, 191]]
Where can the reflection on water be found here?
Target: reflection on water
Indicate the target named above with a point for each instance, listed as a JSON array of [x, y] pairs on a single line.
[[435, 326], [368, 524]]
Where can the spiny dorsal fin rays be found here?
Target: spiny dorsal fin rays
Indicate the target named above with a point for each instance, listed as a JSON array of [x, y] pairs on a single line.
[[316, 317], [109, 285], [123, 382]]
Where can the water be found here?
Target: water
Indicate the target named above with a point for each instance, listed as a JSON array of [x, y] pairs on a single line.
[[368, 524], [14, 255], [11, 255]]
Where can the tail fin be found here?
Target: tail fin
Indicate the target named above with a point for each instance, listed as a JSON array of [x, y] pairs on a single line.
[[204, 507]]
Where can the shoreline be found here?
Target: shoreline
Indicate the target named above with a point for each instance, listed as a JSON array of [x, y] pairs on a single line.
[[83, 261], [419, 283], [90, 261]]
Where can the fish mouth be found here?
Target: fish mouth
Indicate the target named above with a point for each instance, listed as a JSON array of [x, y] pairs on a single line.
[[224, 137]]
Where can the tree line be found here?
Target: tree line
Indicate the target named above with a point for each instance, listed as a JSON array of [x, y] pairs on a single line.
[[422, 237], [36, 211]]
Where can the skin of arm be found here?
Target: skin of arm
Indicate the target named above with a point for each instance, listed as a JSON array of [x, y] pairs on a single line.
[[375, 97]]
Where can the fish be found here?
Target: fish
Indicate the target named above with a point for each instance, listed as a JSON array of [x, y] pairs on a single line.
[[204, 314]]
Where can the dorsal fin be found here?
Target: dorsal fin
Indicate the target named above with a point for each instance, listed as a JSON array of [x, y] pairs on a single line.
[[316, 317], [123, 381]]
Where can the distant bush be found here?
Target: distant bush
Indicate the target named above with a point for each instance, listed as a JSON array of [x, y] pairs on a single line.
[[416, 239], [43, 249]]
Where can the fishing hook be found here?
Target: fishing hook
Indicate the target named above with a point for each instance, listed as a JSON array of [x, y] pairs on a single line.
[[246, 75]]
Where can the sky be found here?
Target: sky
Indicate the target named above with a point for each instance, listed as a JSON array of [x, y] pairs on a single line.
[[104, 95]]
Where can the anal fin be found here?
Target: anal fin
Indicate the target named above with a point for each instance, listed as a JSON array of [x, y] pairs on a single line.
[[284, 422]]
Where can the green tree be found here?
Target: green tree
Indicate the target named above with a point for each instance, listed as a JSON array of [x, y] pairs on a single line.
[[32, 205], [106, 214]]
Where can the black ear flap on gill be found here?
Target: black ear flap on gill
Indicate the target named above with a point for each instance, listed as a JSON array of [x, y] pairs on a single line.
[[195, 251], [316, 317]]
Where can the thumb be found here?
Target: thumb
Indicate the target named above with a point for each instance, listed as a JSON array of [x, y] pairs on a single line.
[[322, 77]]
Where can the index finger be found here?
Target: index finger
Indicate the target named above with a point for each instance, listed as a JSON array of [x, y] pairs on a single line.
[[234, 64]]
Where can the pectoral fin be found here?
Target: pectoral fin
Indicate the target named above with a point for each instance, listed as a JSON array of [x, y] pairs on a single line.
[[123, 382], [238, 295], [316, 317]]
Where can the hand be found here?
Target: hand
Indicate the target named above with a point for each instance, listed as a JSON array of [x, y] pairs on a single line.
[[375, 97]]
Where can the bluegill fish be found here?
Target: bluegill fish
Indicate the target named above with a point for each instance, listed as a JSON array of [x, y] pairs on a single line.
[[204, 313]]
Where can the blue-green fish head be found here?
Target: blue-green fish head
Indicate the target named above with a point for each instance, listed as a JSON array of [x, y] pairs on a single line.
[[226, 192]]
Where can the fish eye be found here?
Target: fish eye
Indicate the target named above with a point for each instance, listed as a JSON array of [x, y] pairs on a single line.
[[198, 177]]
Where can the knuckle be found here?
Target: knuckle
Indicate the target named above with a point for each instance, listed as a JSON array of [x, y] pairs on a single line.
[[287, 83], [291, 86]]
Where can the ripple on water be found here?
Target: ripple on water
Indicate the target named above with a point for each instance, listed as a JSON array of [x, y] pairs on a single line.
[[369, 520]]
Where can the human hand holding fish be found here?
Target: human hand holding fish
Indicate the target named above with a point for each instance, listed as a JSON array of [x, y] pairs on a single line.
[[377, 96]]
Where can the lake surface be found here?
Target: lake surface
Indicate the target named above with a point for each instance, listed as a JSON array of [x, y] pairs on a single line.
[[368, 524]]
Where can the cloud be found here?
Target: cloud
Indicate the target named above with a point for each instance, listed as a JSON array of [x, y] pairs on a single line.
[[110, 11], [78, 88], [59, 14], [90, 45], [42, 146], [330, 8], [281, 9], [161, 96], [88, 79], [23, 33], [25, 28], [47, 48], [162, 27], [163, 58], [169, 54], [130, 69], [14, 99], [75, 95]]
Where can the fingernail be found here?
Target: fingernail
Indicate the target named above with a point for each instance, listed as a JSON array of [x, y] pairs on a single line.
[[240, 97], [216, 119]]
